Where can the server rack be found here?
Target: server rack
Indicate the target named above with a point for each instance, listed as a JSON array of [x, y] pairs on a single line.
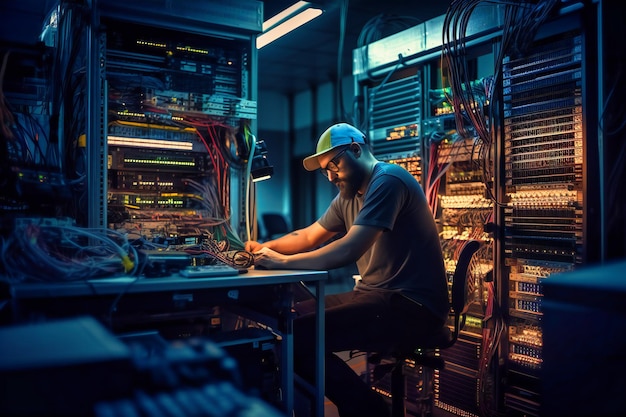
[[463, 210], [130, 115], [167, 86], [32, 178], [394, 107], [550, 180]]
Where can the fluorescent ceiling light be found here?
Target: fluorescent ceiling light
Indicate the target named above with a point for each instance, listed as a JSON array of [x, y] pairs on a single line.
[[285, 14], [284, 22]]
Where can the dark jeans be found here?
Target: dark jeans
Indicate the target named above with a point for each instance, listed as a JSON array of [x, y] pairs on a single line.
[[368, 321]]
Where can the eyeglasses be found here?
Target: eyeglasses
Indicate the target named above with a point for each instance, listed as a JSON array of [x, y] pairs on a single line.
[[331, 166]]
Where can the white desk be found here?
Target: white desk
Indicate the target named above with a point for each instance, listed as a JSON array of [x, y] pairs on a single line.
[[267, 292]]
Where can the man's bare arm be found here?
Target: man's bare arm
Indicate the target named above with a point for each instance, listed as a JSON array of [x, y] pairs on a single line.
[[300, 240], [338, 253]]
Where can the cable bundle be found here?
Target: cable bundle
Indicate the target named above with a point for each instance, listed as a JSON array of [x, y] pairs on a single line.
[[53, 252], [521, 21], [221, 252]]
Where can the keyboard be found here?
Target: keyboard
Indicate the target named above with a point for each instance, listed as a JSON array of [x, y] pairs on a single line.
[[204, 271]]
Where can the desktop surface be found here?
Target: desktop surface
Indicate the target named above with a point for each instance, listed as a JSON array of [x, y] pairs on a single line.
[[132, 284]]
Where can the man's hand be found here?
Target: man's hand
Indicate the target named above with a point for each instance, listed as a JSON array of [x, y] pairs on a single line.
[[269, 259], [253, 246]]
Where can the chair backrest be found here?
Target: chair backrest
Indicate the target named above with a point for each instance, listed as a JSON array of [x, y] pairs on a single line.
[[275, 225], [460, 286]]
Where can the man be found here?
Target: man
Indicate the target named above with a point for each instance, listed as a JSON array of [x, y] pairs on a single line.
[[387, 228]]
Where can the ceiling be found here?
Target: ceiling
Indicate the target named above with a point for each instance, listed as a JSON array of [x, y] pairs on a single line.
[[310, 55]]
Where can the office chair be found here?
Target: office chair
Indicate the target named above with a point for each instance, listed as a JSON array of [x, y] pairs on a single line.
[[421, 352], [275, 225]]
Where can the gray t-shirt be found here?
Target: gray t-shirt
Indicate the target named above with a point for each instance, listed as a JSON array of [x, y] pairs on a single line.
[[407, 257]]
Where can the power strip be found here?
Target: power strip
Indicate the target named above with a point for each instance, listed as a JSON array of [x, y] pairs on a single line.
[[203, 271]]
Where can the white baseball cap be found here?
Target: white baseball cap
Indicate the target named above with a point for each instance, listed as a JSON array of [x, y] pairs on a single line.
[[337, 135]]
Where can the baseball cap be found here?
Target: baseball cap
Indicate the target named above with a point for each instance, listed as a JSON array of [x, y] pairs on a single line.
[[336, 135]]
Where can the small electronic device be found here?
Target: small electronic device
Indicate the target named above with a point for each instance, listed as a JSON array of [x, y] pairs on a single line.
[[161, 263], [203, 271]]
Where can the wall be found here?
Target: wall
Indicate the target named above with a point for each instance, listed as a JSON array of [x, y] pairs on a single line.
[[273, 127], [290, 126]]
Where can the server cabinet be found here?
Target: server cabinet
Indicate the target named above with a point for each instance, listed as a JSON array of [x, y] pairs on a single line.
[[550, 185], [169, 109]]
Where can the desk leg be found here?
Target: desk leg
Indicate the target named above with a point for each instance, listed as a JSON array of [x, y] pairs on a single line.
[[321, 342], [288, 355], [287, 374]]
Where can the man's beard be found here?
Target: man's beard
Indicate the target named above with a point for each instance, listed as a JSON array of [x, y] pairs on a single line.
[[349, 186]]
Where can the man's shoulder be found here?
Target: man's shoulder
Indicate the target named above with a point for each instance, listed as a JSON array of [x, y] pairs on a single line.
[[387, 169]]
